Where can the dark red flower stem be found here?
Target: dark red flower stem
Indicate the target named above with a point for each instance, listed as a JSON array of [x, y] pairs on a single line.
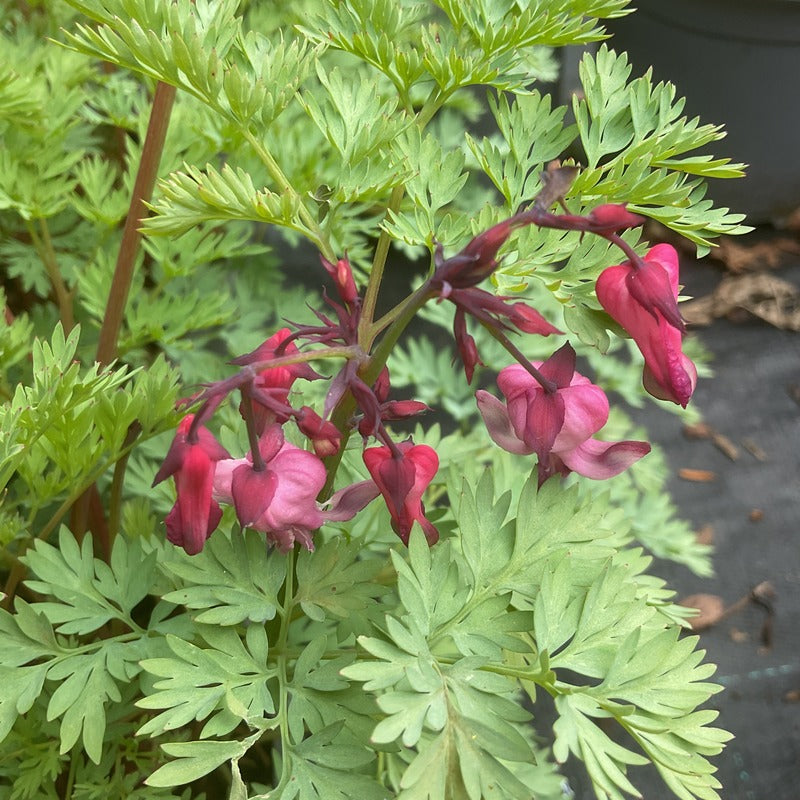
[[637, 262], [250, 424], [549, 386], [131, 237]]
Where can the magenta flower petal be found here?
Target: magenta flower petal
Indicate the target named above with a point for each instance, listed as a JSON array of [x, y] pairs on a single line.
[[252, 492], [195, 514], [585, 413], [347, 502], [191, 539], [498, 423], [556, 425], [544, 419], [180, 447], [301, 476], [560, 367], [602, 460]]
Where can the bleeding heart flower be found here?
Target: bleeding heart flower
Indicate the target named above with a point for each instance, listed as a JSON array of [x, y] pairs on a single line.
[[279, 500], [557, 425], [402, 475], [272, 384], [195, 514], [644, 300]]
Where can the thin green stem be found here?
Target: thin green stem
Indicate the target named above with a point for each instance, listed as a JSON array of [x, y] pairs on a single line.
[[436, 99], [63, 297], [366, 332], [406, 311], [311, 225], [376, 273], [283, 674], [73, 765]]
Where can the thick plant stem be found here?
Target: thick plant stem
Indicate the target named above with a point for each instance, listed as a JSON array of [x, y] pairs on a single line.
[[126, 259], [131, 237]]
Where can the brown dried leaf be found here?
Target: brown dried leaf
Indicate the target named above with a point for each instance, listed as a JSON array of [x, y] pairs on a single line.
[[711, 610], [739, 258], [739, 636], [705, 535], [723, 443], [753, 448], [772, 299], [700, 430], [697, 475], [556, 181]]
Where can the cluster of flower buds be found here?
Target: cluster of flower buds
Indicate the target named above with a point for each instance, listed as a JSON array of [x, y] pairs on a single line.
[[550, 410]]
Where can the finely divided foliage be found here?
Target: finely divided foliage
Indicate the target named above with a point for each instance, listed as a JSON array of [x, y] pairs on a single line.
[[364, 669]]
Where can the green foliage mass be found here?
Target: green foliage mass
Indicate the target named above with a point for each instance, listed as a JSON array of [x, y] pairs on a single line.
[[541, 593], [133, 671]]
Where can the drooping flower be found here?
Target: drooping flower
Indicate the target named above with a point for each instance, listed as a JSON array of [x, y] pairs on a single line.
[[644, 300], [556, 425], [195, 514], [402, 477], [279, 500]]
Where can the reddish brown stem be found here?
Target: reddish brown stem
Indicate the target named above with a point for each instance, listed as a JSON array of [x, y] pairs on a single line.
[[131, 237], [82, 514]]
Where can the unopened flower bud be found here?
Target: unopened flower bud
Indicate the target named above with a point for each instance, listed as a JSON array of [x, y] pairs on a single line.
[[613, 217], [342, 274], [324, 435]]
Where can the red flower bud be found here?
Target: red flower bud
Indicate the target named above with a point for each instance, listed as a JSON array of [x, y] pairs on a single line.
[[324, 435], [613, 217]]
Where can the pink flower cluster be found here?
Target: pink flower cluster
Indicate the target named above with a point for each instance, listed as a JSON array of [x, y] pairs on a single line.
[[275, 487], [549, 409]]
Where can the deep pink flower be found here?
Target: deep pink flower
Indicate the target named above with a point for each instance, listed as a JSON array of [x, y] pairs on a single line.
[[279, 500], [195, 514], [402, 477], [644, 301], [273, 383], [558, 426]]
